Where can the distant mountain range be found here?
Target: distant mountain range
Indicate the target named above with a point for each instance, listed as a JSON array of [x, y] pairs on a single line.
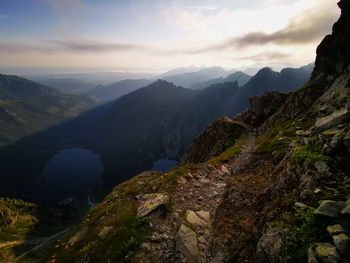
[[117, 89], [27, 107], [188, 79], [238, 76], [158, 121]]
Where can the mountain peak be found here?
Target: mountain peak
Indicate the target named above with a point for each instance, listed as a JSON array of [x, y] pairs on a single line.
[[265, 72], [330, 61]]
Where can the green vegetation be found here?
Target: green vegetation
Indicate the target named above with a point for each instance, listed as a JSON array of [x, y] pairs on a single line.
[[309, 153], [272, 145], [304, 230], [230, 152]]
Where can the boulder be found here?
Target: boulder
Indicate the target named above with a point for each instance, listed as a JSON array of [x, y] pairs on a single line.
[[311, 256], [321, 166], [151, 202], [186, 243], [327, 253], [271, 246], [335, 230], [335, 142], [330, 208], [7, 216], [342, 243], [78, 236], [346, 209], [332, 120], [105, 232], [204, 215], [192, 218], [218, 258], [300, 205]]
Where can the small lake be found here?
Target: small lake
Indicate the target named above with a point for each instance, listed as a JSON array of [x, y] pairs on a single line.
[[163, 165], [70, 173]]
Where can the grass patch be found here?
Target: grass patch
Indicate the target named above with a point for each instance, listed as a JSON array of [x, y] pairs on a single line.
[[309, 153], [270, 145], [305, 230], [230, 152]]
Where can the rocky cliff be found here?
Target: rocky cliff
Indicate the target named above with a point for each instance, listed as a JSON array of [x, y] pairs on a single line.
[[218, 137]]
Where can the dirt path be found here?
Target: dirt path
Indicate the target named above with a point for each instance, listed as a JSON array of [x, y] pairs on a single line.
[[201, 190]]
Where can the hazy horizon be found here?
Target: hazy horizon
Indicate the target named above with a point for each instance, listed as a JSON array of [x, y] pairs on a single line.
[[154, 36]]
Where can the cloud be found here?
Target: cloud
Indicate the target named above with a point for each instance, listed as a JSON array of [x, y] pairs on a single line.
[[307, 27], [265, 56], [72, 46]]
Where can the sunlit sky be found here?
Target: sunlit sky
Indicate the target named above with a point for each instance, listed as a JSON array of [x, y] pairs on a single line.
[[163, 34]]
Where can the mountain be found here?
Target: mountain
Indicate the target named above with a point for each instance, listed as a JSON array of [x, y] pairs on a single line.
[[118, 89], [27, 107], [238, 76], [188, 79], [206, 84], [13, 87], [65, 85], [276, 195], [178, 71], [279, 191], [156, 122]]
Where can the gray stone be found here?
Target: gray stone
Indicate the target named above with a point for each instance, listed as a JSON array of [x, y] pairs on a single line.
[[330, 208], [335, 229], [204, 215], [336, 142], [186, 243], [192, 218], [311, 256], [218, 258], [342, 243], [225, 170], [300, 205], [332, 120], [77, 237], [327, 253], [270, 247], [346, 209], [105, 232], [321, 166], [151, 202]]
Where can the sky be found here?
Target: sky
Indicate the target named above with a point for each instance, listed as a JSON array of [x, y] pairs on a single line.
[[153, 35]]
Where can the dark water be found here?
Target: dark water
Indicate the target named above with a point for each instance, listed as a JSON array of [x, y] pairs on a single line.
[[71, 173], [163, 165]]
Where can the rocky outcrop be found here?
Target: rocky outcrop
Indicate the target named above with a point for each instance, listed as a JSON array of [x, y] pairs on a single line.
[[214, 140], [330, 208], [271, 246], [151, 202], [333, 120], [186, 243], [333, 54], [261, 108]]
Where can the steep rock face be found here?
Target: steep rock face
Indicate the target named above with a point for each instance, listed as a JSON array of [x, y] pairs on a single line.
[[220, 135], [333, 54], [262, 107]]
